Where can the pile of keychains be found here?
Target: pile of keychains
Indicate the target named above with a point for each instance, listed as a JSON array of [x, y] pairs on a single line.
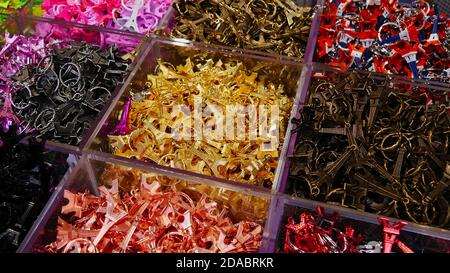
[[49, 89], [62, 89], [17, 52], [28, 177], [312, 236], [409, 39], [146, 120], [366, 144], [140, 16], [67, 89], [323, 232], [368, 114], [280, 27], [153, 218]]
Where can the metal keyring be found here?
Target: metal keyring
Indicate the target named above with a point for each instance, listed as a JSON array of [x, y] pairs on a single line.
[[40, 127], [47, 67], [63, 82], [420, 126], [76, 245], [79, 91], [386, 24], [89, 99], [395, 145], [26, 104], [48, 77], [102, 88]]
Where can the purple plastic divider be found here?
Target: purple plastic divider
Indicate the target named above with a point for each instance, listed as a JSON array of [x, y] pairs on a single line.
[[314, 32], [306, 79], [277, 204], [274, 222], [307, 74]]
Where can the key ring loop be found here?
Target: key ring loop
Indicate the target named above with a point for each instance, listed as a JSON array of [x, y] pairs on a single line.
[[65, 69], [42, 126], [385, 25], [80, 245], [130, 8], [21, 105], [47, 66], [47, 77], [393, 146], [130, 22]]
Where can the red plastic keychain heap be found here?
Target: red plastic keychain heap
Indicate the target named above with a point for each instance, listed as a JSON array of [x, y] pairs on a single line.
[[385, 36], [149, 219], [321, 235]]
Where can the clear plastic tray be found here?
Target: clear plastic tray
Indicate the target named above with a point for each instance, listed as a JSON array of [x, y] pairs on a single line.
[[418, 239], [26, 25], [272, 215], [169, 22], [88, 175], [279, 206], [317, 71], [284, 70]]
